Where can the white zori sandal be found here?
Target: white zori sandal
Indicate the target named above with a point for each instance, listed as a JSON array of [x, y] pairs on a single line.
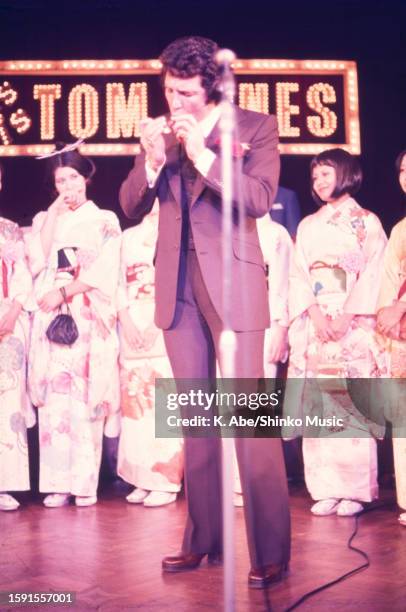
[[8, 502], [325, 507], [56, 500]]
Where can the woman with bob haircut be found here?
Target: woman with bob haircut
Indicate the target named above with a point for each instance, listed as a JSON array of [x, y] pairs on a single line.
[[16, 412], [392, 325], [334, 283], [74, 255]]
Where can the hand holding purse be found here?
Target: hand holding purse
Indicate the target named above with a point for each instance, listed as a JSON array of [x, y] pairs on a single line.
[[63, 329]]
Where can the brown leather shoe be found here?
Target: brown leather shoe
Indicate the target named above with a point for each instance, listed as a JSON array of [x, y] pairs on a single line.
[[261, 577], [184, 562]]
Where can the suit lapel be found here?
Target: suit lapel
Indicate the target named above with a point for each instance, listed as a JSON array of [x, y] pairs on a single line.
[[212, 144]]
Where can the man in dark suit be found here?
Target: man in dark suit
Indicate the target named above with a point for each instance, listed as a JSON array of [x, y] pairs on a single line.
[[286, 210], [182, 169]]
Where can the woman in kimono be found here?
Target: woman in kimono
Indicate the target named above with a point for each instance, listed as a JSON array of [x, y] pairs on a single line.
[[16, 413], [334, 285], [153, 465], [277, 248], [74, 255], [392, 307]]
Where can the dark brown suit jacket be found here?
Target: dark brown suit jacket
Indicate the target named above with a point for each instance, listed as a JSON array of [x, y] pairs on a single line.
[[256, 173]]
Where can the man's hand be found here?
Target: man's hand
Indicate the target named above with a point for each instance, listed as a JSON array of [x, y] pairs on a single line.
[[188, 131], [278, 346], [341, 325], [153, 142], [322, 324], [50, 300]]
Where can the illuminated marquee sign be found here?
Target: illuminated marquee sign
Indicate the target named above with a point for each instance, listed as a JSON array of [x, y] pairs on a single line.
[[103, 102]]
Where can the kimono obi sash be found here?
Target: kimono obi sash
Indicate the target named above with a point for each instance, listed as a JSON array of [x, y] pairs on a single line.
[[68, 268], [140, 278], [131, 273], [67, 261], [327, 278]]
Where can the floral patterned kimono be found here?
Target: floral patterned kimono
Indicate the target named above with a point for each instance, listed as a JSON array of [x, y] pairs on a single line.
[[154, 464], [337, 262], [76, 388], [394, 275], [16, 412], [277, 249]]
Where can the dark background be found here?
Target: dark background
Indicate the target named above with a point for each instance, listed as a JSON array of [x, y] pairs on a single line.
[[368, 32]]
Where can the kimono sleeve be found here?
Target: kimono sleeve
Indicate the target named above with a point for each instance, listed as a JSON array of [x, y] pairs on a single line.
[[277, 248], [363, 297], [391, 275], [100, 264], [122, 293], [35, 253], [301, 295], [21, 281]]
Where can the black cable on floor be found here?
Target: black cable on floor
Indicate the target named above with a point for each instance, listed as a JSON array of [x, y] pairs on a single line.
[[352, 572]]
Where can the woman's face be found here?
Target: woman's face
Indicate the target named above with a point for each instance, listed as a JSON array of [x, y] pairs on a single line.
[[69, 182], [402, 174], [324, 179]]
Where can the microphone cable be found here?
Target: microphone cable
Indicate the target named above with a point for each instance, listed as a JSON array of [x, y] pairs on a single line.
[[350, 573]]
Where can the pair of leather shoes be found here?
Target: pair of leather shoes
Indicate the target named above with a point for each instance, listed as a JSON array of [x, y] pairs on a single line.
[[261, 577], [189, 561]]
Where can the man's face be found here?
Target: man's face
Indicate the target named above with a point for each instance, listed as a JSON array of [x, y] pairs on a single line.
[[186, 96]]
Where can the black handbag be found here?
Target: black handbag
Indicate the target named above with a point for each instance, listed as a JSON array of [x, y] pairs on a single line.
[[63, 329]]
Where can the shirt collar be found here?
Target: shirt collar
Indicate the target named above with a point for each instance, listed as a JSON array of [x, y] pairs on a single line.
[[207, 124]]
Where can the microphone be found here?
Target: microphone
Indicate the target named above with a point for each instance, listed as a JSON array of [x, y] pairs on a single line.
[[225, 57]]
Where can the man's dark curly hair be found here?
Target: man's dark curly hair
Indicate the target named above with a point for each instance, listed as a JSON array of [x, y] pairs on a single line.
[[190, 56]]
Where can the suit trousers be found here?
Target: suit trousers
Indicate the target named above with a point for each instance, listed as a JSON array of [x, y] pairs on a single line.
[[192, 345]]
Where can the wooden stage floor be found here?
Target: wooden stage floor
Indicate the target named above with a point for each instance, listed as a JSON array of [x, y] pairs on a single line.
[[110, 555]]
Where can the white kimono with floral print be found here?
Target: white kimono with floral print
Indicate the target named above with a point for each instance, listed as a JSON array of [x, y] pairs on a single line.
[[337, 265], [394, 275], [15, 409], [154, 464], [76, 388], [277, 248]]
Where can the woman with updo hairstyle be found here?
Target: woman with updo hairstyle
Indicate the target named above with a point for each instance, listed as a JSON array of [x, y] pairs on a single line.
[[334, 283], [74, 255], [16, 413], [392, 326]]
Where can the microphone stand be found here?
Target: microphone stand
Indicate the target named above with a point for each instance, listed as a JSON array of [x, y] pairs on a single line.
[[228, 337]]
